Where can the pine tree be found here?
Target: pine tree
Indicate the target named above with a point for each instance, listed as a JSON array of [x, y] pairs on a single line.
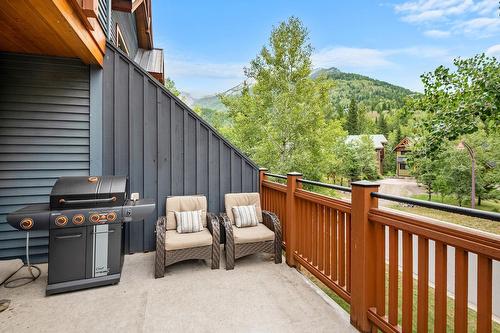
[[352, 123], [382, 124]]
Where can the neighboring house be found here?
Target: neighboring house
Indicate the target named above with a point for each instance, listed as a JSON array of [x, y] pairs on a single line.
[[81, 94], [379, 142], [401, 149]]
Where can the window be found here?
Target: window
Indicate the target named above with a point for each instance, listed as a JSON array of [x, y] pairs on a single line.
[[402, 166], [120, 42]]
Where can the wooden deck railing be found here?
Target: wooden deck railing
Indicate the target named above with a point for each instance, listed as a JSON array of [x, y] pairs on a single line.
[[344, 245]]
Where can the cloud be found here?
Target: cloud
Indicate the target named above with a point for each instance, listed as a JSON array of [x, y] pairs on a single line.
[[434, 33], [349, 57], [442, 18], [187, 68], [494, 51], [485, 26]]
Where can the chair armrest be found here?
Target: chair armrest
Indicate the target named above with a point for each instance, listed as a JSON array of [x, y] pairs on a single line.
[[229, 243], [271, 221], [214, 228], [160, 246]]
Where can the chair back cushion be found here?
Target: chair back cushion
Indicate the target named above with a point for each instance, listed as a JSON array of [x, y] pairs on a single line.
[[189, 221], [242, 199], [245, 216], [185, 204]]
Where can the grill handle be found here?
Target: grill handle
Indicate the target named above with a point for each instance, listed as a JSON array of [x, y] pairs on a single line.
[[69, 236], [85, 201]]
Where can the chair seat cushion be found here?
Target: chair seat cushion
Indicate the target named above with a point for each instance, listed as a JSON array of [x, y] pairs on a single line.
[[259, 233], [177, 241]]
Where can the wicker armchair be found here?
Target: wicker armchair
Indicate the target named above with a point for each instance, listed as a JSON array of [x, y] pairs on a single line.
[[172, 247], [266, 237]]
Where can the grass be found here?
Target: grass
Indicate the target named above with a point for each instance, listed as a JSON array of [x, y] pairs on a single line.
[[472, 315], [487, 205], [467, 221]]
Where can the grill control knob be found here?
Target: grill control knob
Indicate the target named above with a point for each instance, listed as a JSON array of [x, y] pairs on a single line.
[[94, 217], [111, 216], [26, 223], [78, 219], [61, 220]]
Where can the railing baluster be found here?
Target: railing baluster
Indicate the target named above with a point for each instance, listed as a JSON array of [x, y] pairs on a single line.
[[461, 280], [393, 276], [380, 269], [407, 306], [484, 295], [348, 251], [423, 285], [440, 296], [328, 226], [309, 231], [341, 250], [321, 243], [334, 245]]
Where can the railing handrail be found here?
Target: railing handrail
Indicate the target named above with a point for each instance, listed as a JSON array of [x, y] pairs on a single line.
[[312, 182], [331, 186], [439, 206], [275, 175]]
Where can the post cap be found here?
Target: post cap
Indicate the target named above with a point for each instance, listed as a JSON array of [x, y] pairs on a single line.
[[293, 173], [263, 169], [365, 183]]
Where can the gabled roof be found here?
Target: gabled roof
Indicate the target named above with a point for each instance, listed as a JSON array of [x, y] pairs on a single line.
[[403, 144], [379, 140]]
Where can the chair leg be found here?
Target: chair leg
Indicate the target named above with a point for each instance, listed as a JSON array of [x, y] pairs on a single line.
[[229, 257], [159, 265], [216, 257]]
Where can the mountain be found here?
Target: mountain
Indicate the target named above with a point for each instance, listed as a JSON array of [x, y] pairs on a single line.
[[371, 94]]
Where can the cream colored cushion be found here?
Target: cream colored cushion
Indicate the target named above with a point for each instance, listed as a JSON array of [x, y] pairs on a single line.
[[184, 204], [259, 233], [242, 199], [177, 241]]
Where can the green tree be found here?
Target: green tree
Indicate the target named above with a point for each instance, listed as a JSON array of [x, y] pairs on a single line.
[[281, 120], [382, 124], [170, 85], [460, 102], [352, 123]]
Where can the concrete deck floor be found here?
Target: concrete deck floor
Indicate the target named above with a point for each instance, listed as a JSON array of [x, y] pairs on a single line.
[[257, 296]]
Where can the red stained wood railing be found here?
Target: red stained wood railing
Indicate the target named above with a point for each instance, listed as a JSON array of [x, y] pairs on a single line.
[[366, 255], [444, 236]]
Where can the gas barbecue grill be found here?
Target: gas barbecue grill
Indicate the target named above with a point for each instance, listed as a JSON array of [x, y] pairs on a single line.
[[84, 219]]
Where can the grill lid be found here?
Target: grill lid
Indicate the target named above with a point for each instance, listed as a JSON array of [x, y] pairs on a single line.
[[83, 192]]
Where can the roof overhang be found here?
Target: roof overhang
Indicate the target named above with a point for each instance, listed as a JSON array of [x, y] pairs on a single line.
[[66, 28]]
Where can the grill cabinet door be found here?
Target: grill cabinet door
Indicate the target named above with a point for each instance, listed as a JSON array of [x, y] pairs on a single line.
[[67, 254]]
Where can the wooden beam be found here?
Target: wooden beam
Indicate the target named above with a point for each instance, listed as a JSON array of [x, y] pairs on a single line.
[[66, 23]]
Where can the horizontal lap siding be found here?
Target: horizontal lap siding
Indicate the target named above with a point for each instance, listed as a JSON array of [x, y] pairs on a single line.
[[44, 134], [172, 151]]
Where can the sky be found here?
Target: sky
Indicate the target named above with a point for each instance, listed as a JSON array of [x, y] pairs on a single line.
[[208, 43]]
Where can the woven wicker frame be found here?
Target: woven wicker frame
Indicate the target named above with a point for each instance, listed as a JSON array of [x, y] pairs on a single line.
[[234, 251], [165, 258]]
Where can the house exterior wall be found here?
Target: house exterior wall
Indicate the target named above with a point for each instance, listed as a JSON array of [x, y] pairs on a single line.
[[126, 22], [44, 134], [163, 147], [401, 171]]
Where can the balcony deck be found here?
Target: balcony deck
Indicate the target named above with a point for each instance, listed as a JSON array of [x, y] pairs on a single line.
[[256, 296]]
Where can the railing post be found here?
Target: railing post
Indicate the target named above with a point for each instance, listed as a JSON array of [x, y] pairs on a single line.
[[262, 177], [363, 254], [291, 217]]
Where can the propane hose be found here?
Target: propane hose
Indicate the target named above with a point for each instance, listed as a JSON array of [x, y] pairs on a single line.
[[14, 283]]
